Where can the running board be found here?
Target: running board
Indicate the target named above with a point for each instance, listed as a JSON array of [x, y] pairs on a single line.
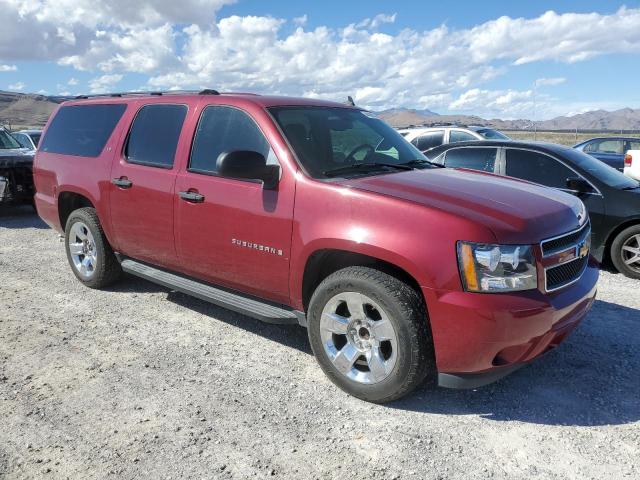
[[232, 301]]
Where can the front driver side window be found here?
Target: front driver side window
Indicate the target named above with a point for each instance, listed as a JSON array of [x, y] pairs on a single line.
[[222, 130], [537, 168], [606, 146]]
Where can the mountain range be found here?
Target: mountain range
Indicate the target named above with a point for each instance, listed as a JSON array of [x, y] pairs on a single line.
[[33, 110], [597, 120]]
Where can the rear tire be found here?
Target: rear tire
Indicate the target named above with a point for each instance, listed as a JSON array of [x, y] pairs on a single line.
[[625, 252], [88, 251], [370, 334]]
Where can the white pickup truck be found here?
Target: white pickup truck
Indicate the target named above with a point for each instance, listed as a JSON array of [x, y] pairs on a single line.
[[632, 164]]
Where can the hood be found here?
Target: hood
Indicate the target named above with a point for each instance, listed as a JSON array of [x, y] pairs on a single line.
[[15, 158], [515, 211]]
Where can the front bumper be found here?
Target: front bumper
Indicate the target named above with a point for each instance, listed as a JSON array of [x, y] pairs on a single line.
[[479, 338]]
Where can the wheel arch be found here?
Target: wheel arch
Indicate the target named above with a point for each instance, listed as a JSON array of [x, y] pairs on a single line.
[[323, 262], [606, 260], [68, 201]]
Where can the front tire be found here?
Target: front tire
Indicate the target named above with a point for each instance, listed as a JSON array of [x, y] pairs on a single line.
[[91, 258], [370, 334], [625, 252]]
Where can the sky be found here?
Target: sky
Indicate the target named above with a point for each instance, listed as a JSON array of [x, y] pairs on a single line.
[[497, 59]]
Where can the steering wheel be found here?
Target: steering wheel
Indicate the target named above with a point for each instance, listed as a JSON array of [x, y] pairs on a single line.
[[364, 146]]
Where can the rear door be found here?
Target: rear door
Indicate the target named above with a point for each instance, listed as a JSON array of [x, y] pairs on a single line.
[[142, 184], [233, 232]]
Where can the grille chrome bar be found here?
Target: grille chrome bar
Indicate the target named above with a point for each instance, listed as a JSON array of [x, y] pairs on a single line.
[[568, 250]]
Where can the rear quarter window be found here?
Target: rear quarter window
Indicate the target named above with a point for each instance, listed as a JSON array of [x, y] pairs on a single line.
[[82, 130]]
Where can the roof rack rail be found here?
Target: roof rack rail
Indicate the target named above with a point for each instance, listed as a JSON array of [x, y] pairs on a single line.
[[206, 91]]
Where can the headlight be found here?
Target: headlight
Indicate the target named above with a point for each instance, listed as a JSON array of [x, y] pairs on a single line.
[[496, 268]]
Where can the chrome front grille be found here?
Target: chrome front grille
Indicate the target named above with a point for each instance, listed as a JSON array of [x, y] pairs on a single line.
[[566, 257]]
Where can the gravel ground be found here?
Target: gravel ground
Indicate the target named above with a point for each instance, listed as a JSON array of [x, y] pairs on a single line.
[[139, 381]]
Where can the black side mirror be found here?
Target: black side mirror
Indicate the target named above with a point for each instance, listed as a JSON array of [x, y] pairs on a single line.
[[248, 165], [578, 184]]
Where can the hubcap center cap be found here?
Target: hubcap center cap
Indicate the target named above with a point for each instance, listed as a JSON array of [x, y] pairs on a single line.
[[363, 333]]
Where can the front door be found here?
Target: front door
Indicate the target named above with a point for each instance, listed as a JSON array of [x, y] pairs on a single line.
[[233, 232], [142, 185]]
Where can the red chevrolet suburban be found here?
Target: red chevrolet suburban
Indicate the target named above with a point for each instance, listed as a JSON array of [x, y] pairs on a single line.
[[316, 213]]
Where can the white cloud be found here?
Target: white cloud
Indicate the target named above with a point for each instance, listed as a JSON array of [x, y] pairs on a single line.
[[507, 103], [376, 21], [300, 21], [104, 83], [16, 87], [183, 44], [72, 81], [8, 68], [549, 81]]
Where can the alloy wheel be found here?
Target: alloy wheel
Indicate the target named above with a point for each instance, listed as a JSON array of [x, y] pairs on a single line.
[[358, 338], [631, 252], [82, 248]]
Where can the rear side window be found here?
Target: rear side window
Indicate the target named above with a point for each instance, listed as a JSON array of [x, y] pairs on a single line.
[[154, 135], [474, 158], [460, 136], [223, 130], [429, 140], [82, 130]]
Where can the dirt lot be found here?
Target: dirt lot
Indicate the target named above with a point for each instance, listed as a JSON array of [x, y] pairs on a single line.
[[139, 381]]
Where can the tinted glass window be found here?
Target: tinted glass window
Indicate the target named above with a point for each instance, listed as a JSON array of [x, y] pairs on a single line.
[[459, 136], [154, 135], [23, 140], [35, 137], [327, 138], [429, 140], [598, 169], [223, 130], [7, 141], [633, 145], [606, 146], [492, 134], [538, 168], [473, 158], [82, 129]]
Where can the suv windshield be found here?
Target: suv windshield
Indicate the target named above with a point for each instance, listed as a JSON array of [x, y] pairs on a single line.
[[7, 141], [331, 139], [491, 134], [601, 170]]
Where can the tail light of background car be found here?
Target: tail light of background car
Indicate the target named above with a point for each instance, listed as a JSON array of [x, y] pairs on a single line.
[[627, 160]]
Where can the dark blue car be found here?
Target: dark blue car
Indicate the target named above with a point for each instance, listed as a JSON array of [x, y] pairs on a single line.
[[609, 150]]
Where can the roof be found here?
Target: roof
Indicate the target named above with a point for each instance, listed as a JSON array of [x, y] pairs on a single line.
[[182, 96], [543, 146], [440, 126]]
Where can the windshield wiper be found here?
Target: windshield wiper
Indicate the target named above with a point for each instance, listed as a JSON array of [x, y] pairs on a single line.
[[421, 161], [365, 166]]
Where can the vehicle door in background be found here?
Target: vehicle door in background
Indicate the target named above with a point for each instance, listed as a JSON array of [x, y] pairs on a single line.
[[233, 232], [456, 136], [429, 140], [610, 152], [142, 184], [541, 168], [474, 158]]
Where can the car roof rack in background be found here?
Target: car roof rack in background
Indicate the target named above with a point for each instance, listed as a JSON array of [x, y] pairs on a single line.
[[206, 91]]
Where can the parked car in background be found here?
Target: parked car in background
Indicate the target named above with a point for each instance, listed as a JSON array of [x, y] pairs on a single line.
[[425, 138], [632, 164], [610, 150], [312, 212], [612, 199], [16, 178], [28, 138]]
